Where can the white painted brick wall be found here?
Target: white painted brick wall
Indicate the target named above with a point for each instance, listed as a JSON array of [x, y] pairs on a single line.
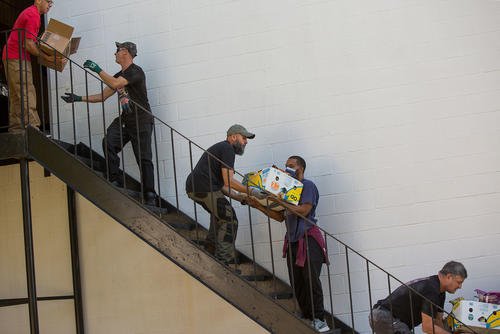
[[394, 105]]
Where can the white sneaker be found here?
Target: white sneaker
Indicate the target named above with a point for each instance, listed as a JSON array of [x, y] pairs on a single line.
[[320, 326]]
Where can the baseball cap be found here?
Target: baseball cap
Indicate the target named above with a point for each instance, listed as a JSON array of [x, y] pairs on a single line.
[[236, 128], [131, 47]]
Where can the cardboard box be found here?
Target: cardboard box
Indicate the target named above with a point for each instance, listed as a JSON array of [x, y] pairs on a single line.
[[276, 182], [481, 317], [57, 36]]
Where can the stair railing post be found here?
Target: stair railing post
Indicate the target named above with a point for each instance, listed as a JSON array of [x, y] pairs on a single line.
[[390, 300], [72, 106], [432, 319], [6, 69], [175, 169], [309, 276], [212, 228], [233, 232], [20, 40], [349, 286], [56, 80], [369, 289], [105, 136], [138, 136], [329, 282], [42, 99], [291, 263], [410, 293], [26, 88], [194, 190], [88, 119], [122, 154], [271, 245], [157, 166], [252, 243]]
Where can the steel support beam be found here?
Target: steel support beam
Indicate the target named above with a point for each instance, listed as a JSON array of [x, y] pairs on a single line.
[[75, 261], [28, 246]]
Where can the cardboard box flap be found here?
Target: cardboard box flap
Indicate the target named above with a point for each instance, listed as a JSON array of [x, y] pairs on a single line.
[[75, 43], [56, 36], [62, 29]]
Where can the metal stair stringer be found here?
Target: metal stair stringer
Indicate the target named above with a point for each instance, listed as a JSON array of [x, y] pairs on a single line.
[[163, 238]]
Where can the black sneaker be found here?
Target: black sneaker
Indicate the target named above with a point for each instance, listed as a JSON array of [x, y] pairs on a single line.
[[150, 198], [117, 184]]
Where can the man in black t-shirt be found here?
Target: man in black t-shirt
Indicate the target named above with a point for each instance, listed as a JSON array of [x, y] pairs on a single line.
[[135, 118], [405, 308], [212, 179]]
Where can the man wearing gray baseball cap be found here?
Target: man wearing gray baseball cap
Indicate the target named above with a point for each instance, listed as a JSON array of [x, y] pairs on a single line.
[[134, 122], [211, 181]]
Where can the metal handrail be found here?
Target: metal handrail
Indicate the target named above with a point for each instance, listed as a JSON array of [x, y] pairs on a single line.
[[348, 249], [326, 233]]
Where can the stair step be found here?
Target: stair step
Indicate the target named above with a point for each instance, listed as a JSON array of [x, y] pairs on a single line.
[[175, 220], [95, 165], [251, 269], [201, 242], [138, 197], [260, 279], [282, 295], [196, 235], [257, 278]]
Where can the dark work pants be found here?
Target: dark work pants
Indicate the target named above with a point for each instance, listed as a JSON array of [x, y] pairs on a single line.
[[301, 282], [115, 140], [223, 223], [383, 322]]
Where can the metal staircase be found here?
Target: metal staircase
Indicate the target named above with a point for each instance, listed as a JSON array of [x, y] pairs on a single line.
[[250, 288], [257, 292]]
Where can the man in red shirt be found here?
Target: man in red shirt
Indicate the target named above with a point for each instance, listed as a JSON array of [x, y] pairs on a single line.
[[27, 25]]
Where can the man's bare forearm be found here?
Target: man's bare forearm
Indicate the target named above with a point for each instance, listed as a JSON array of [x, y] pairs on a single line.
[[233, 194]]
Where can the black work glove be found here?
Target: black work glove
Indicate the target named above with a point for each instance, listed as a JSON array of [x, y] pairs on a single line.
[[70, 98]]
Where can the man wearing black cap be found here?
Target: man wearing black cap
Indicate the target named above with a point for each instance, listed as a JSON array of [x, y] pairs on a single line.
[[135, 117], [211, 180]]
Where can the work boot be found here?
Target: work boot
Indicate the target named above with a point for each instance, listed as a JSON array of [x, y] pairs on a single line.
[[150, 198], [117, 183], [209, 247]]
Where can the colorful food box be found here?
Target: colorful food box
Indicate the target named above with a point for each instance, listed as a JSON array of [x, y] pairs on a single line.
[[477, 315], [277, 182]]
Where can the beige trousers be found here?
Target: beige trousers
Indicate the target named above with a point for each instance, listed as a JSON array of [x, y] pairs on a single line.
[[12, 69]]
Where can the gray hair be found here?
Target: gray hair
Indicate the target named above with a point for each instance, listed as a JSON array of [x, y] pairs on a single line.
[[454, 268]]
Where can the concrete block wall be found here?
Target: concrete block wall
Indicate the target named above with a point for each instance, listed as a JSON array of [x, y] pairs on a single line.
[[394, 105]]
